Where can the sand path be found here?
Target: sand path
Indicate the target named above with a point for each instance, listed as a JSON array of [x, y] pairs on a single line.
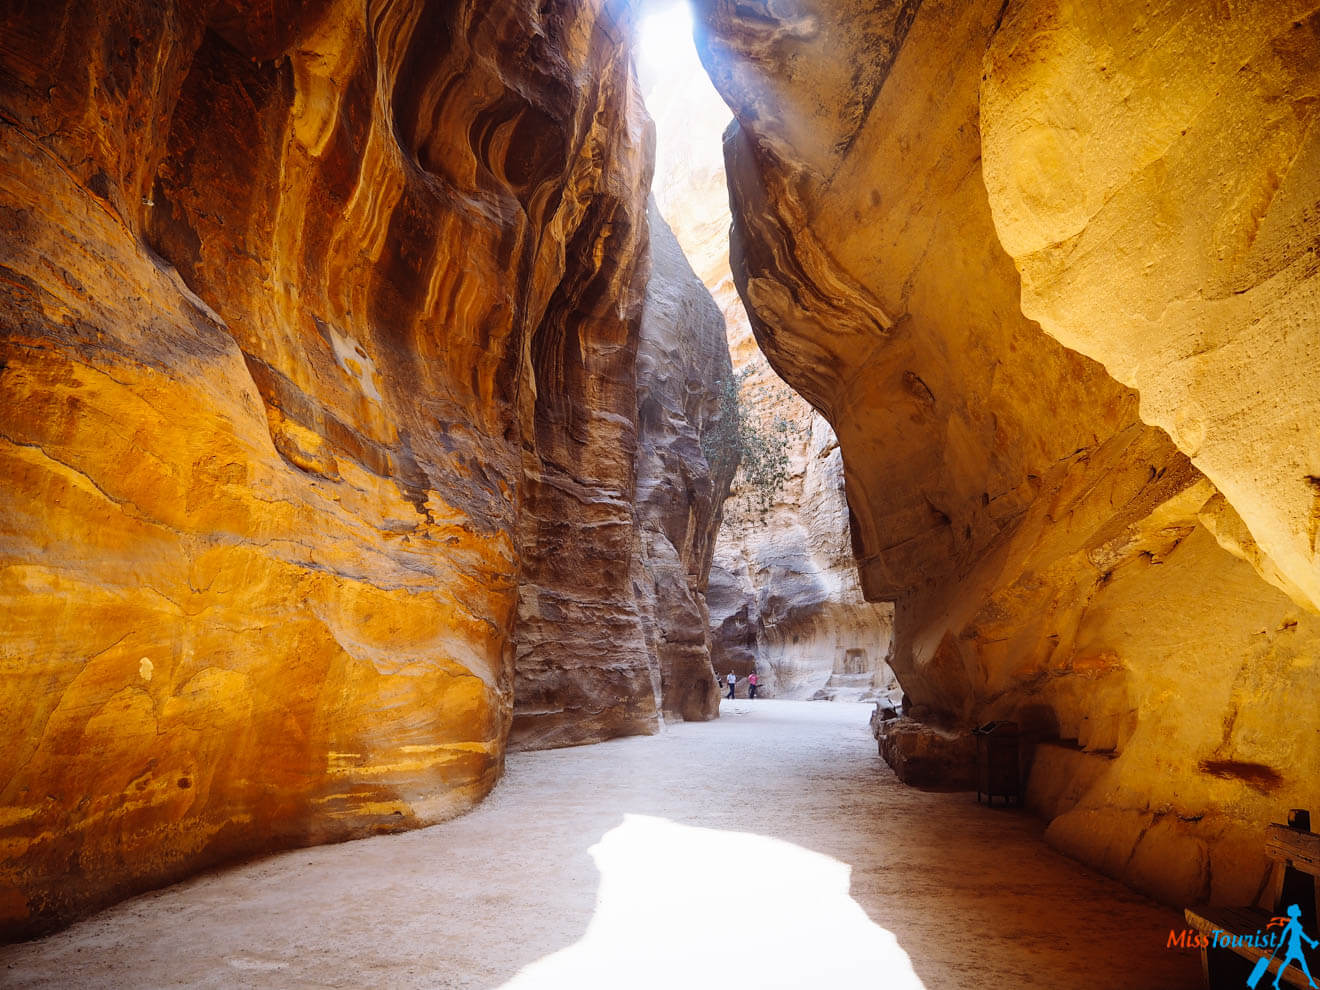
[[771, 848]]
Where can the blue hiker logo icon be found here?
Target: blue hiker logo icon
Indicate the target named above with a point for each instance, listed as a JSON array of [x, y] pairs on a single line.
[[1292, 936]]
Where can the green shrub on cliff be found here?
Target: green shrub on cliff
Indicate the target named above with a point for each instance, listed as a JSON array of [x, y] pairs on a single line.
[[738, 439]]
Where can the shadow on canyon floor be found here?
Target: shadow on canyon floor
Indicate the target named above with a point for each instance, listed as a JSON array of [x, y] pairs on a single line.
[[771, 848]]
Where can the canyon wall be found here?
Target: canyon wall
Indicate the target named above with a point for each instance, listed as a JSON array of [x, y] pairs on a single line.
[[318, 404], [784, 595], [681, 359], [1138, 600], [1172, 232]]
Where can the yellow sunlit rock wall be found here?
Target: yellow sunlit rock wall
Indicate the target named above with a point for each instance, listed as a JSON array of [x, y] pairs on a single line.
[[1155, 177], [915, 184], [318, 326]]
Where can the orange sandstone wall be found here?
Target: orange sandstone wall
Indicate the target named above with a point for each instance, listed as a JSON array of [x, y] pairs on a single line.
[[317, 421]]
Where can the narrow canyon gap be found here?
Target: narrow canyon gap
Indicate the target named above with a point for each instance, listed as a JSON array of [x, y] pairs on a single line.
[[352, 405], [784, 597]]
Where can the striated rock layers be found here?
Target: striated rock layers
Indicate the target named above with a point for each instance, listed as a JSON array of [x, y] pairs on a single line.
[[784, 595], [681, 359], [1054, 555], [591, 665], [318, 400]]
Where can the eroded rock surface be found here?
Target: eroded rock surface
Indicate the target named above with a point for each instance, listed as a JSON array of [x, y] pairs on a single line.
[[784, 597], [1056, 559], [925, 754], [1172, 232], [318, 396], [681, 359]]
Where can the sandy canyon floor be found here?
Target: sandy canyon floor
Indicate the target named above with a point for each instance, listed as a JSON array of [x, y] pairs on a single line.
[[771, 848]]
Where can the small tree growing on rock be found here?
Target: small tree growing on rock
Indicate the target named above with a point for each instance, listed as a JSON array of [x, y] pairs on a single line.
[[738, 438]]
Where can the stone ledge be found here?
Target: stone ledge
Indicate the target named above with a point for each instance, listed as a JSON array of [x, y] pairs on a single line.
[[925, 755]]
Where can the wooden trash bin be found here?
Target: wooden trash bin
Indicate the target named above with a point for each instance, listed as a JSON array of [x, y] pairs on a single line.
[[997, 762]]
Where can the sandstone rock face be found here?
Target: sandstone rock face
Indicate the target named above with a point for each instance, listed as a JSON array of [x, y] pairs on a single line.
[[1170, 231], [681, 359], [1054, 557], [317, 403], [784, 595], [923, 754]]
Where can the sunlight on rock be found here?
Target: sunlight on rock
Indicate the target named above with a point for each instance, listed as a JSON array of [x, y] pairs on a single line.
[[388, 388], [677, 903]]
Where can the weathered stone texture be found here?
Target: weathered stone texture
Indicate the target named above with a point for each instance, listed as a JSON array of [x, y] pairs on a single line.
[[924, 755], [1054, 558], [785, 599], [1172, 230], [317, 324], [681, 359]]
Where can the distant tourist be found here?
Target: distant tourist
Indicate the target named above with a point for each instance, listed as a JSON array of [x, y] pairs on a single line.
[[751, 685], [731, 680]]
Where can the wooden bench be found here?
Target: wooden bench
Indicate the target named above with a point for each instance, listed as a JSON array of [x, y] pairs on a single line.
[[1295, 851]]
